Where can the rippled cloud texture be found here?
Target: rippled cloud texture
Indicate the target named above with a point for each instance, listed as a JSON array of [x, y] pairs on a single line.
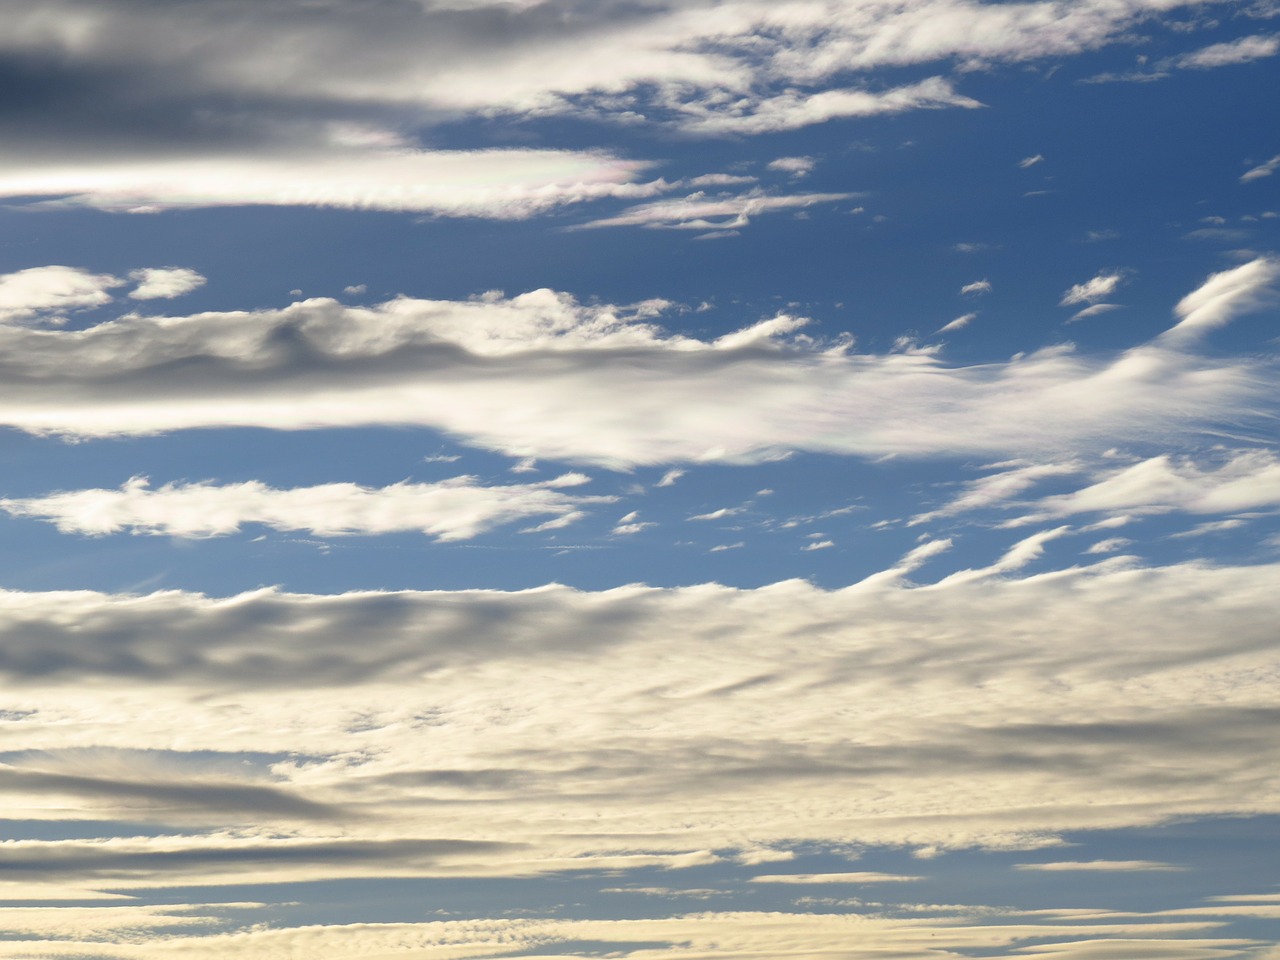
[[665, 480]]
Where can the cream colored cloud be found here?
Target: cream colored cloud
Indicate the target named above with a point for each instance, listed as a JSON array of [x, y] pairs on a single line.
[[455, 509], [486, 733], [165, 283], [739, 935], [36, 291]]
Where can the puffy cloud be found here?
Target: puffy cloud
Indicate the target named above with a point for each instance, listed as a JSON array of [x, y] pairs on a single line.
[[541, 375], [456, 509], [37, 291], [796, 166], [164, 283], [1091, 291]]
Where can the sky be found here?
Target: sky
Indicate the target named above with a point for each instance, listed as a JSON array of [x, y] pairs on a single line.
[[641, 479]]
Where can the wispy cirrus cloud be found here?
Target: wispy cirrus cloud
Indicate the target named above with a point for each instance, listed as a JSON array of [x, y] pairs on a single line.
[[703, 211]]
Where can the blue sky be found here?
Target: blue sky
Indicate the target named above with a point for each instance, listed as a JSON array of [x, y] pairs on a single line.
[[660, 480]]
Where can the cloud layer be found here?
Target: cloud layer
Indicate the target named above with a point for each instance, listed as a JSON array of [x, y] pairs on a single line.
[[541, 375], [492, 733]]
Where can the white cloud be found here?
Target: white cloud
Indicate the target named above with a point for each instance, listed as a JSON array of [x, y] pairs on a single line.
[[1261, 170], [670, 477], [165, 283], [792, 110], [455, 509], [1225, 296], [998, 488], [1243, 50], [796, 166], [1095, 310], [36, 291], [1247, 480], [699, 211], [719, 514], [543, 376], [959, 323], [978, 286], [502, 184], [819, 545], [1026, 162], [1110, 545], [1091, 291]]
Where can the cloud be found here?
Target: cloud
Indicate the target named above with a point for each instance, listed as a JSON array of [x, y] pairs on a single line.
[[700, 211], [952, 931], [819, 545], [164, 282], [719, 514], [1246, 480], [1230, 53], [1261, 170], [1225, 296], [1243, 50], [28, 294], [541, 375], [992, 711], [998, 488], [1095, 310], [1026, 162], [865, 876], [500, 184], [459, 508], [796, 166], [792, 110], [959, 323], [670, 477], [1105, 866], [978, 286], [1091, 291]]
